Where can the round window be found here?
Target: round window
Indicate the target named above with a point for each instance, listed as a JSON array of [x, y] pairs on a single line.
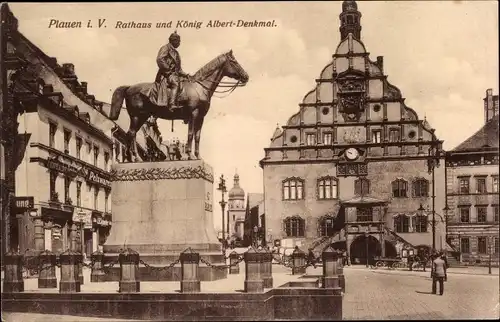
[[325, 110], [411, 134], [376, 108], [293, 139]]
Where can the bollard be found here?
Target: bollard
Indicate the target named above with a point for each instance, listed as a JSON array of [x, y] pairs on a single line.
[[129, 271], [70, 261], [253, 277], [267, 268], [340, 273], [47, 270], [234, 258], [299, 261], [330, 278], [13, 279], [97, 274], [190, 262]]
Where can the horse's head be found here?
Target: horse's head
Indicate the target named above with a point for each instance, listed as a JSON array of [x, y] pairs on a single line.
[[234, 70]]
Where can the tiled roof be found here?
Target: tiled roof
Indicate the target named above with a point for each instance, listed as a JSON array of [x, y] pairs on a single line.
[[487, 136]]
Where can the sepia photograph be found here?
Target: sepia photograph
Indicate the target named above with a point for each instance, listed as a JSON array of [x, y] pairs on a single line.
[[249, 161]]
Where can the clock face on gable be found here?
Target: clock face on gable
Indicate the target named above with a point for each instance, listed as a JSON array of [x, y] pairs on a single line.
[[351, 154]]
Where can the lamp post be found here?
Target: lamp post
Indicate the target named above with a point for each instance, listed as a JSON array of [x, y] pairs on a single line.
[[222, 189], [432, 163], [366, 245], [491, 246]]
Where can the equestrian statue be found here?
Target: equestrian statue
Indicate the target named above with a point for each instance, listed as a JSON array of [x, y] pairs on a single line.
[[175, 95]]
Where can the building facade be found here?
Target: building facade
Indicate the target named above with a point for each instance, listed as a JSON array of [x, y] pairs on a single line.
[[255, 224], [236, 210], [472, 191], [355, 165], [64, 149]]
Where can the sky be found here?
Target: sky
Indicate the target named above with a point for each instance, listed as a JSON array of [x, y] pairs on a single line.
[[442, 55]]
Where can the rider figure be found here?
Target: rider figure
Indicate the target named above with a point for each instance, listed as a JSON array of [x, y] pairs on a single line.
[[169, 64]]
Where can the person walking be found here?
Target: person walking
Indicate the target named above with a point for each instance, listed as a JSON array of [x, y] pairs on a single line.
[[439, 274], [311, 259]]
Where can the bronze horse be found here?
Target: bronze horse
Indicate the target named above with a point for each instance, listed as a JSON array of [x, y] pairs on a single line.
[[194, 97]]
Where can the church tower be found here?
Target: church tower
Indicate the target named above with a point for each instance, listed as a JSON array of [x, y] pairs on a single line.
[[236, 209], [350, 20]]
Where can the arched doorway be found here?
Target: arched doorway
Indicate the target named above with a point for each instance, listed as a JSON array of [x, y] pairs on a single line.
[[363, 244]]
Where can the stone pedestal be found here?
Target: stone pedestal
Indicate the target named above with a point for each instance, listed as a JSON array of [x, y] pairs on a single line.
[[47, 276], [13, 280], [129, 272], [253, 271], [267, 268], [159, 210], [69, 272], [97, 273], [190, 282], [330, 277]]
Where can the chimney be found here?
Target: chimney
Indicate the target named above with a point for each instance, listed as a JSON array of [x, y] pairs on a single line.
[[490, 105]]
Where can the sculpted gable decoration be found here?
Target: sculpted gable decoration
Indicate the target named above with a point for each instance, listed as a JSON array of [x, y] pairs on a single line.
[[351, 95]]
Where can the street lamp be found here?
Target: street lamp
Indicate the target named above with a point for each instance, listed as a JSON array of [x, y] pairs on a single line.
[[432, 163], [222, 189]]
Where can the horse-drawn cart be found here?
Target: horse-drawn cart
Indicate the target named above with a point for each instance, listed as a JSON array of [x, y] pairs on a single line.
[[387, 262]]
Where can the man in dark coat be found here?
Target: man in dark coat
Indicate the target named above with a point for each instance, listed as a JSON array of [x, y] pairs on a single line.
[[438, 274], [169, 72]]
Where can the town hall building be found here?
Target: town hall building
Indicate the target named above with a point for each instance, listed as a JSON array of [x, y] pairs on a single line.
[[355, 166]]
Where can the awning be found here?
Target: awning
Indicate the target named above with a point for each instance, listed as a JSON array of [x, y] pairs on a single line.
[[363, 200]]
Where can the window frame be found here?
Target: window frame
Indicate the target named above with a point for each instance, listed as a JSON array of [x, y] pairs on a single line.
[[397, 135], [329, 134], [375, 138], [461, 214], [321, 188], [461, 187], [401, 188], [464, 240], [482, 242], [78, 146], [309, 135], [420, 188], [484, 214], [362, 186], [484, 188], [297, 231], [298, 186], [52, 134]]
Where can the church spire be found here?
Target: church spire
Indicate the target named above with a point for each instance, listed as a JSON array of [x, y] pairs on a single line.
[[350, 20]]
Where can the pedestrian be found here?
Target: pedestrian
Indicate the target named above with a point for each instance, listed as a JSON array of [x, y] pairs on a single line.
[[439, 273]]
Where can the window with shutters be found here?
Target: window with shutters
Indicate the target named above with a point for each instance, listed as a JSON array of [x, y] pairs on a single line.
[[294, 226]]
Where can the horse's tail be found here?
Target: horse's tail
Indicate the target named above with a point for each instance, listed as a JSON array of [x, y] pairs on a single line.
[[116, 102]]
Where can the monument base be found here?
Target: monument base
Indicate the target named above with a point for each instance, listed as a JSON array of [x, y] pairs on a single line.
[[161, 209]]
